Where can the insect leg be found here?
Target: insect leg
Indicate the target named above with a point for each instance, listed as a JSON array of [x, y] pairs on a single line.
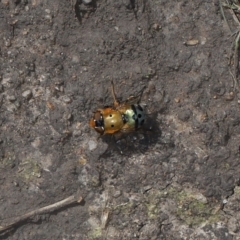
[[116, 103], [136, 99], [140, 94]]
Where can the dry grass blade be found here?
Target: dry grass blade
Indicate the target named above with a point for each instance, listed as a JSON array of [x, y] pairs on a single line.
[[234, 8], [223, 15]]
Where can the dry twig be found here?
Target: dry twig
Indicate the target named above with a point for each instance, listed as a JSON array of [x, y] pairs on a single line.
[[50, 208]]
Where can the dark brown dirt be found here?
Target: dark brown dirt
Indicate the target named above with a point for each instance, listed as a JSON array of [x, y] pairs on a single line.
[[180, 180]]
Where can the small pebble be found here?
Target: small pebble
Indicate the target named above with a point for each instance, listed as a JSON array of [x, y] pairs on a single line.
[[69, 116], [11, 98], [75, 59], [156, 26], [184, 115], [177, 100], [92, 145], [48, 17], [6, 81], [61, 89], [191, 42], [67, 99], [117, 194], [230, 96], [27, 94], [8, 43], [87, 1], [36, 143], [15, 184], [11, 107], [147, 188]]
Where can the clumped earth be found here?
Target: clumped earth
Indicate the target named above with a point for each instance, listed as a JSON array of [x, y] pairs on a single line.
[[176, 179]]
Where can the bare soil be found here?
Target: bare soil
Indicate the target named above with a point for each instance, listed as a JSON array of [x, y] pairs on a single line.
[[178, 178]]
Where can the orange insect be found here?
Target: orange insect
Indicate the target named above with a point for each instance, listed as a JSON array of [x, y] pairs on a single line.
[[127, 116]]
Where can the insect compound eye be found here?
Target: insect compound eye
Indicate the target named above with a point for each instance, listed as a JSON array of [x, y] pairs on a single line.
[[98, 119], [98, 123]]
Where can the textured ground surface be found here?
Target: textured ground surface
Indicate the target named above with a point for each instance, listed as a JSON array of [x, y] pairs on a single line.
[[178, 181]]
